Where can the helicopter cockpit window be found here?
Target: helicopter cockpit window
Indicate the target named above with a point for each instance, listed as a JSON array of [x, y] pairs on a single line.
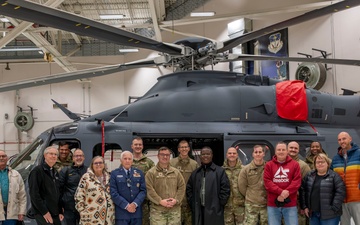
[[97, 150], [111, 155], [73, 144], [112, 159], [25, 161], [245, 151], [196, 155], [152, 154]]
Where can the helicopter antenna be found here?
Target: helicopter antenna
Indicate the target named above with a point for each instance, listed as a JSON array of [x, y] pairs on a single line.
[[67, 112], [113, 119]]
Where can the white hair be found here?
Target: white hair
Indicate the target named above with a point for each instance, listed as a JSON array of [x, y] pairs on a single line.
[[126, 152]]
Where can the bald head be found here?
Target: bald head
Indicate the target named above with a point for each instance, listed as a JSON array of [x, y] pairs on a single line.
[[293, 149], [232, 155], [344, 140]]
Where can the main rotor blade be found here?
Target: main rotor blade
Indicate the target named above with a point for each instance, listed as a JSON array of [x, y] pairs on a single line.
[[245, 57], [81, 74], [36, 13], [346, 4]]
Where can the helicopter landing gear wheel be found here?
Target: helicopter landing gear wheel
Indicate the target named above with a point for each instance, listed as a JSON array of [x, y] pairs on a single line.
[[313, 74]]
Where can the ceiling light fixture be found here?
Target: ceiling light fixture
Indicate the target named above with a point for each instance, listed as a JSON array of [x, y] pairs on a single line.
[[21, 49], [124, 50], [111, 16], [202, 14], [4, 20]]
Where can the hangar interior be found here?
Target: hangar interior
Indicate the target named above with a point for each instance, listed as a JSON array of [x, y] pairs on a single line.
[[56, 51]]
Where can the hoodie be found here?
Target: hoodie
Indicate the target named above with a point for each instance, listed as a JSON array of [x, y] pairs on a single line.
[[282, 176]]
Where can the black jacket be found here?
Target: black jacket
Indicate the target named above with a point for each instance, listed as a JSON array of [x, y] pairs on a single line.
[[44, 190], [69, 179], [217, 192], [332, 194]]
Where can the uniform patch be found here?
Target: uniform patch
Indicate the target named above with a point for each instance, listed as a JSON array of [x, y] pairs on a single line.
[[136, 174]]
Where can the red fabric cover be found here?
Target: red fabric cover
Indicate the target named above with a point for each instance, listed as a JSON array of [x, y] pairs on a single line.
[[291, 101]]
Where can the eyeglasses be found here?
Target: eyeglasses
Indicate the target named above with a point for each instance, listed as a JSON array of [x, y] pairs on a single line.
[[164, 155], [3, 156], [98, 163], [320, 162]]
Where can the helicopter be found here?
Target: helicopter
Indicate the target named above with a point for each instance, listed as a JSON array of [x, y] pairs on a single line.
[[189, 57], [208, 108]]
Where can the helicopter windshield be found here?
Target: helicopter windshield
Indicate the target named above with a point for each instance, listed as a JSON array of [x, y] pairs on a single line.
[[25, 161]]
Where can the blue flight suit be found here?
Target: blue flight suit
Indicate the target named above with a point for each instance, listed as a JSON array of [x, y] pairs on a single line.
[[124, 190]]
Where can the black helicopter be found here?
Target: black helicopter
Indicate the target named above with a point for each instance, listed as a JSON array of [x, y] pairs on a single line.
[[213, 108]]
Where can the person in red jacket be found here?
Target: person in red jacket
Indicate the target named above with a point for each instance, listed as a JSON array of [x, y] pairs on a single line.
[[282, 179]]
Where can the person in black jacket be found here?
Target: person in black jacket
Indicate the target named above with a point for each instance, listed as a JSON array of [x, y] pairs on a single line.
[[322, 193], [69, 179], [44, 190], [207, 191]]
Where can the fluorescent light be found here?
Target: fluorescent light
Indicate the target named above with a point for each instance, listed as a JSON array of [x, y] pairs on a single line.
[[129, 50], [19, 49], [111, 16], [202, 14], [4, 20]]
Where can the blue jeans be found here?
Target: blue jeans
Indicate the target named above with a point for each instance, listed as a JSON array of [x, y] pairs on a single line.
[[315, 220], [8, 222], [289, 213]]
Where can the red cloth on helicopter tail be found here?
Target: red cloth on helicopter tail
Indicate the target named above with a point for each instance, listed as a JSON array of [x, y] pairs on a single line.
[[291, 101]]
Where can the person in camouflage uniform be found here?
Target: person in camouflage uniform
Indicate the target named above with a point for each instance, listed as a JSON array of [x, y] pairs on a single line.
[[234, 211], [144, 164], [315, 148], [294, 148], [165, 189], [186, 166], [65, 156], [251, 185]]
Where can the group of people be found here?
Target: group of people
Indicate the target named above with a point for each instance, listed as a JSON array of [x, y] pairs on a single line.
[[284, 190]]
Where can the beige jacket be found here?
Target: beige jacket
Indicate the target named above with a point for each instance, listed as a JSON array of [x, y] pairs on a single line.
[[17, 197], [163, 184], [251, 184], [304, 167], [93, 201]]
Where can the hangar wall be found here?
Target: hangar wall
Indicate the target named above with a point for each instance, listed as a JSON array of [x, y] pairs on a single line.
[[336, 34]]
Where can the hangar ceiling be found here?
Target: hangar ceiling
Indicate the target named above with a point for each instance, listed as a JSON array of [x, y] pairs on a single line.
[[145, 17]]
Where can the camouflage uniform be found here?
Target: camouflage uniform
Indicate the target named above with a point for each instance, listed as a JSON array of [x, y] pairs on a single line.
[[186, 167], [234, 211], [59, 165], [310, 159], [162, 184], [144, 164], [251, 184], [304, 169]]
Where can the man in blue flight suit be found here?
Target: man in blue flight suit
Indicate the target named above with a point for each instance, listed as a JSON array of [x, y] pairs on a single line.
[[128, 191]]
